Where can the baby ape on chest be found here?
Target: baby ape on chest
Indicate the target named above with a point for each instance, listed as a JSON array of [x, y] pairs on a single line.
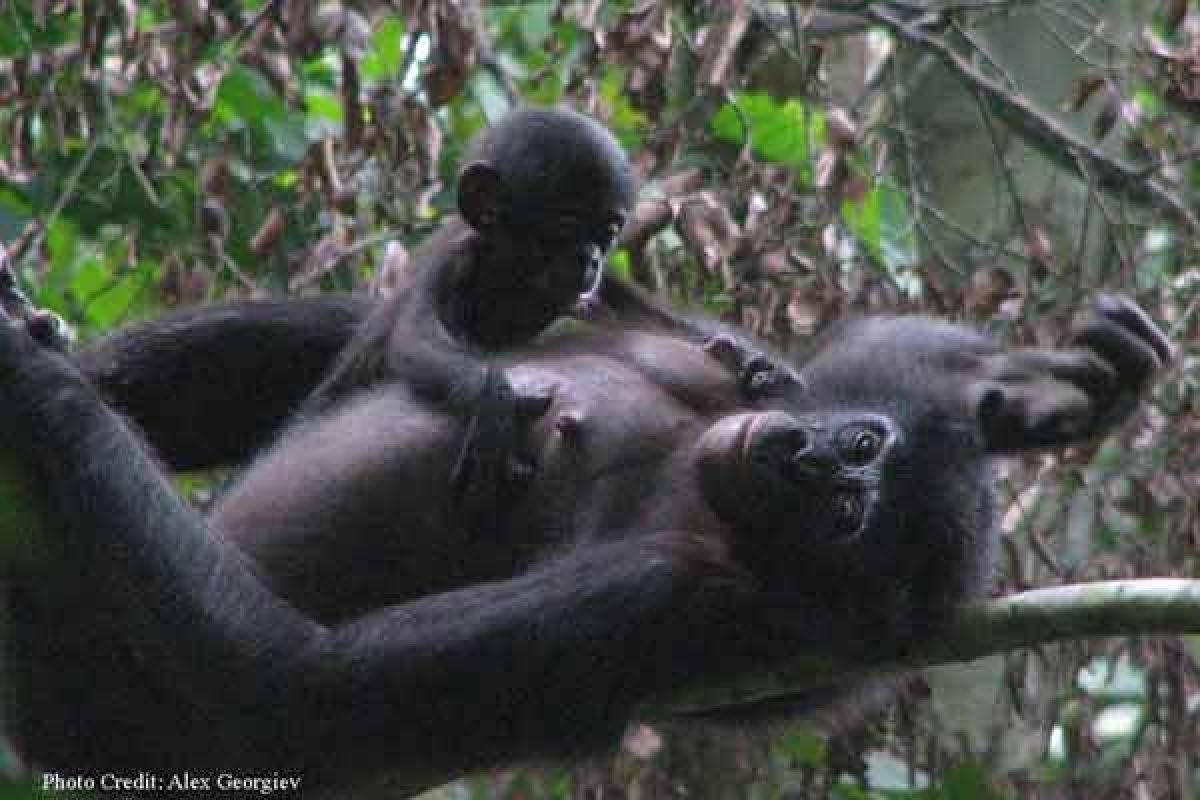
[[541, 201]]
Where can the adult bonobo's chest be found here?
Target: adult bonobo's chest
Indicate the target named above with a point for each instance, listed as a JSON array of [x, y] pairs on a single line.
[[617, 448]]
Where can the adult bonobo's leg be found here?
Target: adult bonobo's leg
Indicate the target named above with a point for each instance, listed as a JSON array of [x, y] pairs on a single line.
[[213, 671]]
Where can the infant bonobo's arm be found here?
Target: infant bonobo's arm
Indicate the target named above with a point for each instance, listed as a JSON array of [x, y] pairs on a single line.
[[759, 373]]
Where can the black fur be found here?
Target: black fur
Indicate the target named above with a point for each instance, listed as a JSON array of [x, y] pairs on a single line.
[[334, 620]]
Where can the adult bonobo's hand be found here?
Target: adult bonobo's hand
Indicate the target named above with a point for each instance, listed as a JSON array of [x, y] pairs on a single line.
[[1027, 399], [46, 327]]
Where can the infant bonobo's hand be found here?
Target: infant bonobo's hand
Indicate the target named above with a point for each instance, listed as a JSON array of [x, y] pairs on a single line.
[[491, 464], [1037, 398], [758, 374]]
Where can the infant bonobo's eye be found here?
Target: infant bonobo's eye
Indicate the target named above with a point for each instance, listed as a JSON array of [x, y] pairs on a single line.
[[605, 235], [861, 446], [615, 223]]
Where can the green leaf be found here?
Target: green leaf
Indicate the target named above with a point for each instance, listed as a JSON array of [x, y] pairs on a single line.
[[287, 136], [621, 264], [967, 781], [62, 241], [245, 96], [21, 36], [801, 746], [115, 302], [385, 54], [784, 133], [882, 223]]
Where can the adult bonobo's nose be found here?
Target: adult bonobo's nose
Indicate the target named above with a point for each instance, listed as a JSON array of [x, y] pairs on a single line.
[[778, 446]]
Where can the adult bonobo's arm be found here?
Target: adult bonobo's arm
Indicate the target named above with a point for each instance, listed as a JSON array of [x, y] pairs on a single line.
[[1034, 398], [211, 386], [227, 675]]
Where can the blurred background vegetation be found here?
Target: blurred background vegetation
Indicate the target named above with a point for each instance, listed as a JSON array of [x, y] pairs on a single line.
[[994, 161]]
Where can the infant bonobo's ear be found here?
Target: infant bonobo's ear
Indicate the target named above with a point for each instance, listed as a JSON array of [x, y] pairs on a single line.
[[1031, 399], [480, 189]]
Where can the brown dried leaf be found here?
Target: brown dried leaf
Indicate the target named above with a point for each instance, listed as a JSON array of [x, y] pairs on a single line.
[[987, 289], [805, 312], [1087, 86], [829, 170], [1040, 248], [842, 129], [1174, 14], [269, 233], [455, 53], [1106, 120], [321, 259], [710, 234], [643, 38], [721, 44]]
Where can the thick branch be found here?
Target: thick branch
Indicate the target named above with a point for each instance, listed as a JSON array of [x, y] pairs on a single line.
[[1029, 619]]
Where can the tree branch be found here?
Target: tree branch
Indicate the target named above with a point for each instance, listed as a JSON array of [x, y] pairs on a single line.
[[1050, 137], [1028, 619]]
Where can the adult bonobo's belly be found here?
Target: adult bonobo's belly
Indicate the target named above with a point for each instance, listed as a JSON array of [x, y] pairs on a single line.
[[616, 448]]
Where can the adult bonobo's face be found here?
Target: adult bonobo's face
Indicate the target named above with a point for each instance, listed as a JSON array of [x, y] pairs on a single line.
[[814, 478], [549, 191]]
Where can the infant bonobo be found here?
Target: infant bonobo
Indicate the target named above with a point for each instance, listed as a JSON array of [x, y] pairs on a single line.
[[541, 201]]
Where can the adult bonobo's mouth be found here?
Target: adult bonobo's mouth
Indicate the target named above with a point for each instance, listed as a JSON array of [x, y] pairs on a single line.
[[746, 464], [773, 471]]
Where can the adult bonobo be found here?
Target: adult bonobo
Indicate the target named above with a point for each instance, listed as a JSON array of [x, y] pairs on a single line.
[[333, 621]]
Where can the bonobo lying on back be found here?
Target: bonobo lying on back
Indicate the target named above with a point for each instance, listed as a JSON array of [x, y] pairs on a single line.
[[333, 619]]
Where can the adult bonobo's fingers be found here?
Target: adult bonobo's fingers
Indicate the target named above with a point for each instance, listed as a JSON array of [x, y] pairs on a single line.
[[1030, 415], [1123, 335], [12, 301], [50, 330], [1080, 367], [46, 327], [1125, 312]]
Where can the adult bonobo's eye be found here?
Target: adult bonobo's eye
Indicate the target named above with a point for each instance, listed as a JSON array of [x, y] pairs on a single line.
[[862, 446], [849, 512]]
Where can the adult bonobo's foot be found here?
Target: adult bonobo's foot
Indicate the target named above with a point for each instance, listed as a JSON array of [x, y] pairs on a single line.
[[759, 375], [491, 463], [46, 327], [1048, 398]]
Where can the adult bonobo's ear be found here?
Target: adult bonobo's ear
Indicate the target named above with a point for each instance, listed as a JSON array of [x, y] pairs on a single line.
[[1029, 399], [480, 195]]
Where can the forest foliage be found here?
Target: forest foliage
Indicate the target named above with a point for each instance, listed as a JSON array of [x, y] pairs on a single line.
[[994, 161]]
